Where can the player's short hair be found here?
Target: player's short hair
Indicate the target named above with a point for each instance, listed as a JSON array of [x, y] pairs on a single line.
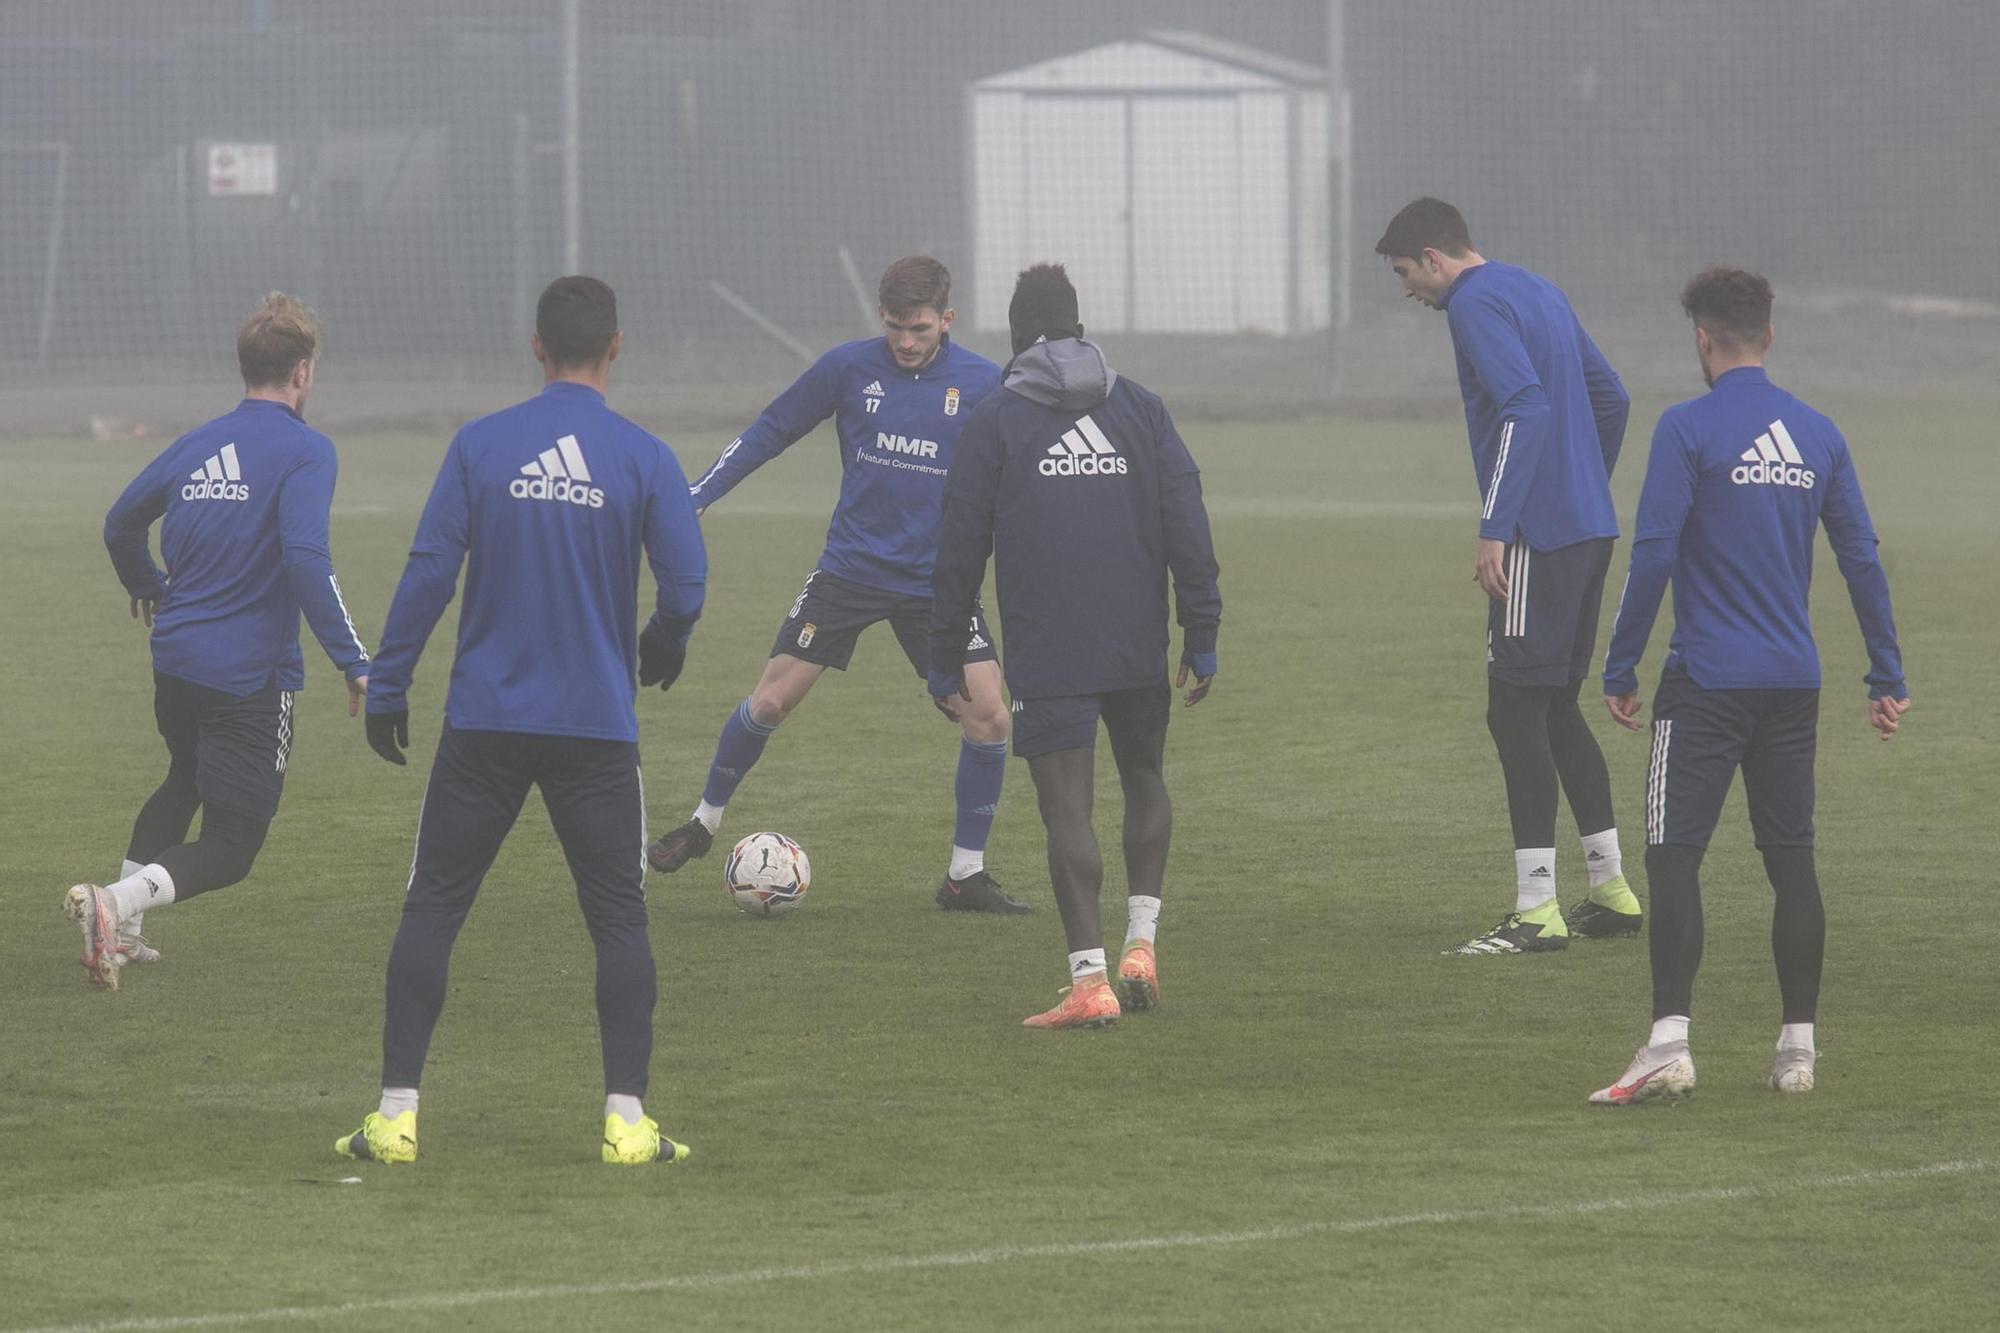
[[1425, 224], [278, 335], [576, 319], [1044, 303], [1732, 303], [914, 282]]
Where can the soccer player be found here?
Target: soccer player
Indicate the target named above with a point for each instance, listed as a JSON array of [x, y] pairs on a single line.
[[242, 504], [551, 504], [1077, 483], [898, 404], [1546, 414], [1737, 482]]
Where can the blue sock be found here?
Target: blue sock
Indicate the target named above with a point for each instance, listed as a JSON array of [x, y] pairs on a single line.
[[982, 765], [736, 752]]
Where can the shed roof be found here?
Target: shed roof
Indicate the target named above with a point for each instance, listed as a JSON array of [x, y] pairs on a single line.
[[1158, 62]]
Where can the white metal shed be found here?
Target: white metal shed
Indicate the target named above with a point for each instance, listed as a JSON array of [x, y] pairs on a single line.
[[1184, 180]]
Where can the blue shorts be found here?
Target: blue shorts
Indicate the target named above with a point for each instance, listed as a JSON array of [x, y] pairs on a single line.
[[1069, 722], [1701, 737], [826, 622]]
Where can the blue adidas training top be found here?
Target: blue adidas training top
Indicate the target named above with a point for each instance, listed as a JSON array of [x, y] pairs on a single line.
[[897, 431], [550, 505], [1545, 411], [1737, 482], [242, 504]]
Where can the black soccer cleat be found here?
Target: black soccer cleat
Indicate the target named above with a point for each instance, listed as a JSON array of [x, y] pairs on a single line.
[[978, 892], [1517, 934], [670, 851], [1595, 921]]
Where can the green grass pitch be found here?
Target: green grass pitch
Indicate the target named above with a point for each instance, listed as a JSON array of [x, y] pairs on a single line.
[[1326, 1125]]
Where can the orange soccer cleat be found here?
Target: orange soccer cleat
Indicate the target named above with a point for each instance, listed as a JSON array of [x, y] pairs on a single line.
[[1139, 977], [1089, 1003]]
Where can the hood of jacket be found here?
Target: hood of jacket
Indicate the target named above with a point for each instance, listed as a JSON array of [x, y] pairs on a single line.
[[1069, 374]]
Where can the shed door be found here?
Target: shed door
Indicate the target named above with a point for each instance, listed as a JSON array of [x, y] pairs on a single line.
[[1186, 195], [1078, 199]]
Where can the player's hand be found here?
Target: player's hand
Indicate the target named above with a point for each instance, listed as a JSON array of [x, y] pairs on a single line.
[[357, 690], [143, 608], [947, 691], [1885, 715], [1489, 568], [1201, 685], [1625, 709], [661, 657], [389, 734]]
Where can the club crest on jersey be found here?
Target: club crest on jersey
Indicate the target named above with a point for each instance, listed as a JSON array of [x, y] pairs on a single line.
[[1083, 451], [220, 478], [558, 474], [806, 633], [951, 402], [1774, 460]]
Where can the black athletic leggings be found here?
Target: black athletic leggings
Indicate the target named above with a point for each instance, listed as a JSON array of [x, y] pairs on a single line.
[[1798, 927], [1541, 736], [223, 855]]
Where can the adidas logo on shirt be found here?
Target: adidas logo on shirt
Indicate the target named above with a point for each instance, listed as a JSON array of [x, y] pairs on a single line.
[[874, 390], [1083, 452], [220, 478], [1774, 460], [558, 474]]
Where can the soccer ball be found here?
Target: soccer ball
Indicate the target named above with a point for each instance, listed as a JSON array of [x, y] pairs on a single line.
[[767, 874]]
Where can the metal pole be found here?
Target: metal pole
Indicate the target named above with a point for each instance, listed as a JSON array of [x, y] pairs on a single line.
[[572, 136], [54, 256], [524, 235]]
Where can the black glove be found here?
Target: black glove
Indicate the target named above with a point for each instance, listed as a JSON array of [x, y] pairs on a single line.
[[661, 657], [388, 733]]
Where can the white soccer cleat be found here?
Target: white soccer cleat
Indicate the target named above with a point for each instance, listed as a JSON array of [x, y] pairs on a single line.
[[1792, 1070], [1657, 1073], [132, 947], [96, 915]]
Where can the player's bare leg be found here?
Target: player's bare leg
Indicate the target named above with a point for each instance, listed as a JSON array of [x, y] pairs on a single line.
[[982, 766], [1149, 827], [783, 686], [1076, 871]]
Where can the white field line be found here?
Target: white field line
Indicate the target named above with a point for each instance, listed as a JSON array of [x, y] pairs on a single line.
[[461, 1300]]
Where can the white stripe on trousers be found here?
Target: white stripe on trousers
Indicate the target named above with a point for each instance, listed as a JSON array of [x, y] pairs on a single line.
[[1515, 624], [1656, 783]]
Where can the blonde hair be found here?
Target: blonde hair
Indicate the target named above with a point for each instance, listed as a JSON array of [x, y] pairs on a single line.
[[278, 335]]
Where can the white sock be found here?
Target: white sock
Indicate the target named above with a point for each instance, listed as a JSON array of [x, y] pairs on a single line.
[[1534, 877], [623, 1106], [395, 1101], [1142, 918], [965, 863], [1799, 1035], [709, 815], [1085, 961], [149, 886], [1674, 1027], [126, 869], [1600, 857]]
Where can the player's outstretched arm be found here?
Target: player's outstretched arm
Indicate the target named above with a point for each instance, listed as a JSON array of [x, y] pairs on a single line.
[[789, 419], [126, 526], [430, 578], [305, 498]]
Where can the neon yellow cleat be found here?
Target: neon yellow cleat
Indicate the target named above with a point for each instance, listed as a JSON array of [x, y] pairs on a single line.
[[1611, 910], [627, 1144], [1139, 977], [379, 1140]]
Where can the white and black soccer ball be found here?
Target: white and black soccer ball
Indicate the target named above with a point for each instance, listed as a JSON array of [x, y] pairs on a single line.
[[767, 874]]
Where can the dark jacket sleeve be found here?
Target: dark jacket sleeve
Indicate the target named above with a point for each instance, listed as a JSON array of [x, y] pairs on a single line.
[[1190, 549], [965, 538]]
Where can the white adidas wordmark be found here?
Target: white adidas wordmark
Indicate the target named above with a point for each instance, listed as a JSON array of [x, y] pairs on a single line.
[[1083, 452], [1774, 460], [559, 474], [220, 478]]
